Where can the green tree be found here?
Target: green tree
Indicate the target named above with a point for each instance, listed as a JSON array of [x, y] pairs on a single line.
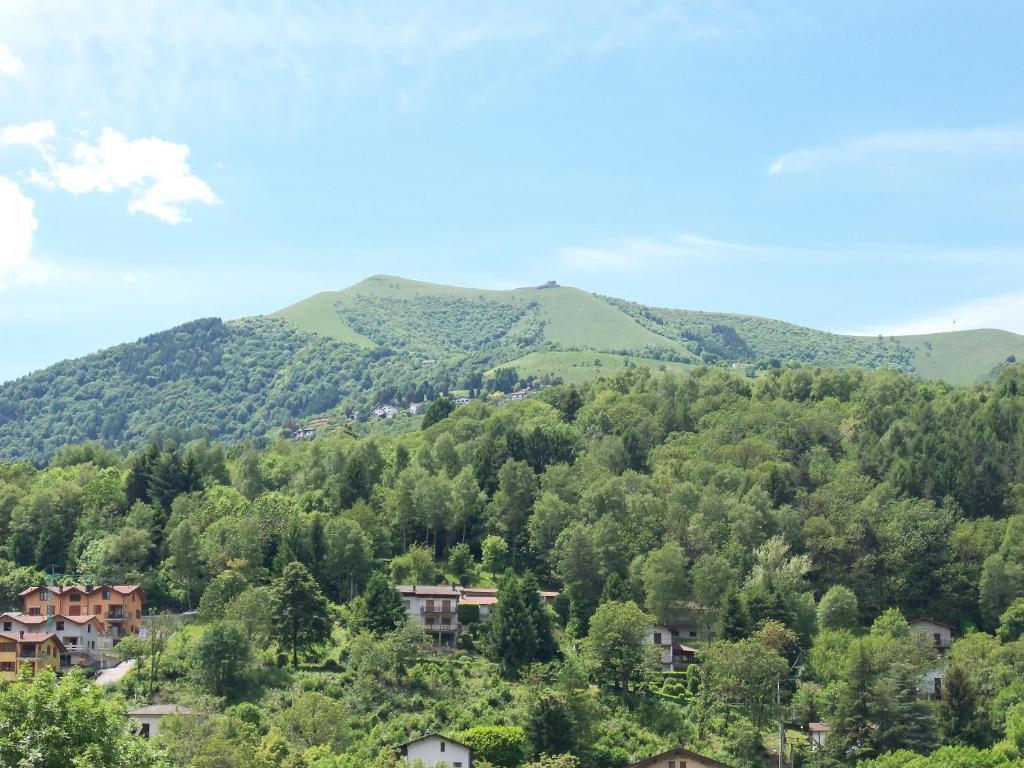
[[665, 581], [1011, 623], [957, 707], [838, 609], [51, 723], [615, 646], [384, 608], [438, 410], [735, 625], [503, 746], [303, 622], [347, 558], [221, 657], [494, 554], [511, 633]]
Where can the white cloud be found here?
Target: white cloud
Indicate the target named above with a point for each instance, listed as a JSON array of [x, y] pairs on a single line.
[[1005, 312], [155, 171], [992, 141], [9, 63], [35, 134], [17, 231]]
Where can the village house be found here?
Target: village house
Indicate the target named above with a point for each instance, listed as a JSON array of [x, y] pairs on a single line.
[[485, 599], [435, 609], [149, 718], [660, 637], [417, 408], [680, 757], [385, 412], [85, 637], [941, 633], [817, 733], [37, 650], [463, 400], [118, 606], [304, 433], [434, 749]]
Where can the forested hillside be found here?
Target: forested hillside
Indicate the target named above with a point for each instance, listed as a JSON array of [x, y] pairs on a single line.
[[392, 341], [801, 517]]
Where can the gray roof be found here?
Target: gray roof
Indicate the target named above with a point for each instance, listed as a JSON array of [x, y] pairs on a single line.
[[159, 710]]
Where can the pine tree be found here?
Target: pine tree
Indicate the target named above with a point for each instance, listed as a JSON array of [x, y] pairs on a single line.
[[957, 708], [511, 635], [853, 733], [615, 590], [906, 720], [547, 646], [302, 620], [384, 608], [735, 625]]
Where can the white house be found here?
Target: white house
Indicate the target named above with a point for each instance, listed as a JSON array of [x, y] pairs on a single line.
[[149, 718], [417, 408], [661, 638], [435, 749], [941, 633], [462, 400], [385, 412], [435, 609], [817, 733], [931, 683]]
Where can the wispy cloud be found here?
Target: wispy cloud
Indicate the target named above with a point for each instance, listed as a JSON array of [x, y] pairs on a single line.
[[1005, 311], [9, 63], [156, 172], [973, 143]]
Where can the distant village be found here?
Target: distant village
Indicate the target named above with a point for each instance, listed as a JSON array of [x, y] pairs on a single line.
[[78, 625]]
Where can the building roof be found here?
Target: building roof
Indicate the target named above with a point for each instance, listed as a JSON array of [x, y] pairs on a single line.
[[683, 648], [818, 727], [85, 589], [26, 618], [159, 710], [480, 599], [930, 620], [32, 637], [478, 591], [678, 752], [429, 735], [23, 618], [426, 591]]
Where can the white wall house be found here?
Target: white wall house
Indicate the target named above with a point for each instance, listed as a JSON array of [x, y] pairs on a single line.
[[817, 733], [435, 749], [435, 609], [149, 718], [85, 637], [660, 637], [941, 633]]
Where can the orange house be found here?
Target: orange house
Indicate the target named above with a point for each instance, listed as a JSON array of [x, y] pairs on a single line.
[[36, 649], [118, 606]]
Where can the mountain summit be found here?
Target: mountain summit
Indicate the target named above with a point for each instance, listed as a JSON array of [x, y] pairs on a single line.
[[392, 340]]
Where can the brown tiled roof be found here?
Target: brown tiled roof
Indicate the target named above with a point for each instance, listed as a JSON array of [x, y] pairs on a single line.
[[480, 599], [678, 752], [918, 619], [123, 589], [32, 637], [425, 591], [818, 727]]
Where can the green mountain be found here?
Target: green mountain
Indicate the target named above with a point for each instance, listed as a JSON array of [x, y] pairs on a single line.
[[388, 339]]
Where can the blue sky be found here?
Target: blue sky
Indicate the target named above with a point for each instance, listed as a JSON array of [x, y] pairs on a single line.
[[849, 166]]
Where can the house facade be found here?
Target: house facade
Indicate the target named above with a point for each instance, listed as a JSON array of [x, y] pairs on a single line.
[[680, 757], [35, 649], [118, 606], [817, 733], [148, 719], [660, 637], [435, 609], [940, 632], [85, 638], [434, 749]]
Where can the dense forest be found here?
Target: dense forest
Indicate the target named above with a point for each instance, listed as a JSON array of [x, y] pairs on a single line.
[[802, 517]]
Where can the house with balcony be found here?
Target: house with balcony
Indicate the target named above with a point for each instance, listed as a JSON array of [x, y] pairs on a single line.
[[85, 638], [940, 632], [118, 606], [435, 609], [37, 650], [433, 749]]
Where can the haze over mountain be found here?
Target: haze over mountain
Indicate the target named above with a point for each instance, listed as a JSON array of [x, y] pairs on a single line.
[[388, 339]]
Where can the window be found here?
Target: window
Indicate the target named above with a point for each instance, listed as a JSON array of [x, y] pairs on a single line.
[[446, 605], [7, 666], [7, 626], [693, 633], [938, 687], [97, 609], [75, 597], [60, 626], [671, 764], [6, 647], [74, 610], [407, 605], [138, 614], [145, 731], [34, 611], [430, 605], [457, 764], [938, 638], [657, 641], [446, 621], [106, 594], [443, 745]]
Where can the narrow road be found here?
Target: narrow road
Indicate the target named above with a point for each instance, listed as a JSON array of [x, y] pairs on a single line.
[[112, 675]]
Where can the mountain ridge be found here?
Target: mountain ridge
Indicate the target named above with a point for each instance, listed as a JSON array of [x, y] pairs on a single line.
[[391, 340]]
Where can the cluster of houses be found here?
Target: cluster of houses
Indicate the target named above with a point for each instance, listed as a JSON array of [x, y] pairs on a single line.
[[931, 684], [436, 610], [64, 626], [434, 749], [308, 432]]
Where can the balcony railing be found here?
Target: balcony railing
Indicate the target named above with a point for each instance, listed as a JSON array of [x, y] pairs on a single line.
[[437, 609]]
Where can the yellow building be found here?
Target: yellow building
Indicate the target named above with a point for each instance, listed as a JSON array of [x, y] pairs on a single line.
[[36, 649]]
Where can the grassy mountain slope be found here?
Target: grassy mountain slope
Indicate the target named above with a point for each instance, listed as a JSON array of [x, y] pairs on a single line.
[[388, 339], [963, 357]]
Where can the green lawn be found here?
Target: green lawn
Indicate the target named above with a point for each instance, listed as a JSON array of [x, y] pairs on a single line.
[[963, 357], [577, 367], [318, 315]]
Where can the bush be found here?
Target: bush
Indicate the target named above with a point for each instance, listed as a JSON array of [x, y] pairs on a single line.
[[502, 745]]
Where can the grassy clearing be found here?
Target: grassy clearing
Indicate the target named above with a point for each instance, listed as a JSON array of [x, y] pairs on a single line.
[[963, 357], [317, 314], [577, 367]]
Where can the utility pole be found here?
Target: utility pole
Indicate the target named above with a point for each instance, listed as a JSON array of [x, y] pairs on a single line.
[[782, 730]]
